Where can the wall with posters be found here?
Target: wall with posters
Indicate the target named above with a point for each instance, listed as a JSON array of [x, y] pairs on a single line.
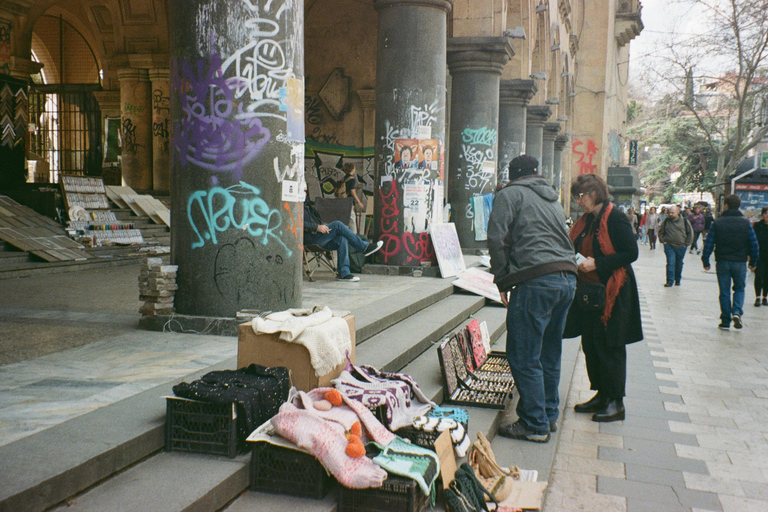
[[753, 197]]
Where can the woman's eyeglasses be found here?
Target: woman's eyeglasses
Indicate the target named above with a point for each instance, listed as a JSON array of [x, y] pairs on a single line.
[[578, 196]]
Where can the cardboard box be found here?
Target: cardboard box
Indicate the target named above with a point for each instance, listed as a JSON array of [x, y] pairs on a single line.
[[269, 350]]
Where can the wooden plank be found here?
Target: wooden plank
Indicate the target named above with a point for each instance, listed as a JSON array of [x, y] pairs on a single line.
[[5, 212], [74, 254], [130, 200], [162, 211], [44, 255], [146, 204], [114, 193]]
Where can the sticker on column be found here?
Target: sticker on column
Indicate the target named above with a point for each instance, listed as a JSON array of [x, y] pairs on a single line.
[[424, 132], [291, 191], [428, 159]]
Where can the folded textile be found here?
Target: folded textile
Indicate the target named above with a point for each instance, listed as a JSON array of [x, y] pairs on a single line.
[[325, 334], [405, 459], [459, 435], [323, 432], [394, 394], [257, 392]]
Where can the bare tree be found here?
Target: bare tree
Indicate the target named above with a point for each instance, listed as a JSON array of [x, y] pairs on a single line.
[[730, 63]]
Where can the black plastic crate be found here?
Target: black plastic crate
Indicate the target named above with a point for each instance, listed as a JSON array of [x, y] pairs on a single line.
[[279, 470], [398, 494], [201, 427]]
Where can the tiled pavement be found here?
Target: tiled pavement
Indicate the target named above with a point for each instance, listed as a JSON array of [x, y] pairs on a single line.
[[696, 436]]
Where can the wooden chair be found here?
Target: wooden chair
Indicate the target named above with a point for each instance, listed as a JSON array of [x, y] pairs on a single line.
[[330, 209]]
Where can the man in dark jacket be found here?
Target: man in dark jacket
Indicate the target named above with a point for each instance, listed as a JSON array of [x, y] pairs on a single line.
[[733, 240], [534, 268], [335, 236]]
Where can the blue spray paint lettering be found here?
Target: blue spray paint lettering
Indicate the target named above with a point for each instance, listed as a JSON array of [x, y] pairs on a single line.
[[485, 136], [240, 207]]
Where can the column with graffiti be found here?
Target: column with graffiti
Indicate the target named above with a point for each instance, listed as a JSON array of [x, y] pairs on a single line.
[[475, 64], [548, 151], [410, 127], [161, 118], [514, 96], [536, 116], [237, 154], [136, 128]]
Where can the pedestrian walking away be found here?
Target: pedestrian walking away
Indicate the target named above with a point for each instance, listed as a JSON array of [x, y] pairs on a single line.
[[676, 234], [698, 222], [761, 272], [733, 240], [603, 236], [652, 223], [534, 268]]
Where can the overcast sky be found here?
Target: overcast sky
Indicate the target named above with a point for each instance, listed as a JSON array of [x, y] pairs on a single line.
[[662, 19]]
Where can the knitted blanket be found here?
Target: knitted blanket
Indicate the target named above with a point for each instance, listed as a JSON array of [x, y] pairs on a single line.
[[324, 333], [411, 461]]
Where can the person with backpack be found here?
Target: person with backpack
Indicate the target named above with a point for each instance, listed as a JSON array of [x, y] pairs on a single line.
[[676, 234], [698, 222]]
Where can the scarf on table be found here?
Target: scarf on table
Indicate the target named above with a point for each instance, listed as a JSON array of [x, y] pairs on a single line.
[[619, 276]]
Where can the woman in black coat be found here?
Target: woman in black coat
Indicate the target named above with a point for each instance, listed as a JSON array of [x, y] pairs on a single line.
[[761, 272], [603, 235]]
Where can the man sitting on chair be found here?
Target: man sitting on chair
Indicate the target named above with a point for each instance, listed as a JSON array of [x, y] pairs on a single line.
[[335, 236]]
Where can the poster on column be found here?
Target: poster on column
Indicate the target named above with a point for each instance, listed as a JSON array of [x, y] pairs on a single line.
[[428, 155], [407, 159], [416, 203]]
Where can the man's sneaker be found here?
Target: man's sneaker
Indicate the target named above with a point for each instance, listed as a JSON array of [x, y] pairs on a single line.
[[372, 248], [757, 302], [724, 327], [667, 285], [348, 277], [519, 431], [677, 283], [765, 301], [737, 321]]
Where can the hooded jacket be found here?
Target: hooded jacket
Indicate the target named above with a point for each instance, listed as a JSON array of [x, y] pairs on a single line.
[[527, 235]]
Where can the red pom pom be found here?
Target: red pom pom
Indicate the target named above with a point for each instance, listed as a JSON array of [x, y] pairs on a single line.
[[356, 429], [334, 396]]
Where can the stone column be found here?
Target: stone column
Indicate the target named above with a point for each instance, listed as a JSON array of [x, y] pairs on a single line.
[[548, 151], [237, 154], [161, 117], [410, 127], [368, 102], [136, 128], [514, 96], [557, 165], [537, 115], [475, 64]]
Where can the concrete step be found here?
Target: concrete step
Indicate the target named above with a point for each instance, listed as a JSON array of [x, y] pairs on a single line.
[[44, 469], [395, 347], [101, 454], [44, 268], [168, 482], [9, 258]]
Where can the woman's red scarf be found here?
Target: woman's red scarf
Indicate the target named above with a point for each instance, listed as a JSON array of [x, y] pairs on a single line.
[[619, 276]]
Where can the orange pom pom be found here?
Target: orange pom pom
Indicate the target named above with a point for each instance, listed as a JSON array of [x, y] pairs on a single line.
[[355, 449], [356, 429], [334, 396]]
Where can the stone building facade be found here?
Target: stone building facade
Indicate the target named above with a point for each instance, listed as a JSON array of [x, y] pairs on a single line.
[[236, 102]]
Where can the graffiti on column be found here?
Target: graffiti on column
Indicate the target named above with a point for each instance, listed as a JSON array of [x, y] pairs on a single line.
[[507, 152], [479, 159], [130, 146], [240, 206], [161, 111], [586, 156]]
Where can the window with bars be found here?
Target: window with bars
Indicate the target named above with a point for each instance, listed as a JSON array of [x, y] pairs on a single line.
[[66, 128]]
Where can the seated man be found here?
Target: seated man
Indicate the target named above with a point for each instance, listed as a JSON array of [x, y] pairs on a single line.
[[335, 237]]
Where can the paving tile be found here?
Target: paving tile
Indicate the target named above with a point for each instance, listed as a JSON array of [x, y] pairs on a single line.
[[598, 438], [592, 466], [737, 504], [704, 454], [741, 472], [652, 434], [651, 475], [646, 459], [643, 505], [696, 481], [755, 490]]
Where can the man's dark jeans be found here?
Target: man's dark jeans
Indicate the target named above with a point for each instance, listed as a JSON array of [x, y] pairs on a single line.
[[727, 272], [339, 238], [675, 259], [535, 322]]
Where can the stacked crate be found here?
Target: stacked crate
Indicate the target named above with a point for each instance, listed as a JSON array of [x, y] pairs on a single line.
[[157, 286]]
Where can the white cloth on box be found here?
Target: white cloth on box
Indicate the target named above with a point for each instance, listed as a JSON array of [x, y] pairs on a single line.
[[324, 333]]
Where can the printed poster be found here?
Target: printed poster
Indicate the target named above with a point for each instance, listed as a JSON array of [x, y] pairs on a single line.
[[406, 154], [416, 204], [479, 282], [445, 240]]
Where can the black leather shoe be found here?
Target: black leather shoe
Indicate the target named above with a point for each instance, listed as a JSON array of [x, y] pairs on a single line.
[[595, 404], [614, 411]]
